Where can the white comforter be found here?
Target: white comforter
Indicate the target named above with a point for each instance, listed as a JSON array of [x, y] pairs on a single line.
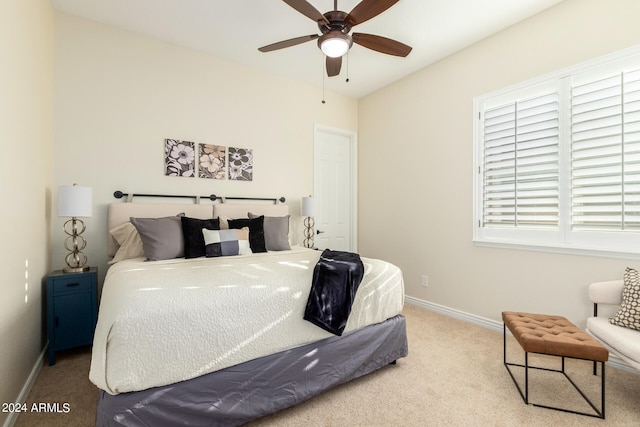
[[167, 321]]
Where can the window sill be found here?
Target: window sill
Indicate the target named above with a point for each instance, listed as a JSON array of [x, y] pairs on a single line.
[[560, 249]]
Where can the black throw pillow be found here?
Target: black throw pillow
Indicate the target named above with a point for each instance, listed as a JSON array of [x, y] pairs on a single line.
[[193, 238], [256, 231]]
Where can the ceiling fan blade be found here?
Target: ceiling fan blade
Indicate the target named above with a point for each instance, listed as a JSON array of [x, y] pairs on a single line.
[[307, 10], [288, 43], [381, 44], [366, 10], [333, 66]]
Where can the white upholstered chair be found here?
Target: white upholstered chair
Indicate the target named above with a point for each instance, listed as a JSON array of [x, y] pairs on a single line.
[[620, 341]]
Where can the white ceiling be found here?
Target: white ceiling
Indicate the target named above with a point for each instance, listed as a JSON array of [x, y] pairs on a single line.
[[234, 29]]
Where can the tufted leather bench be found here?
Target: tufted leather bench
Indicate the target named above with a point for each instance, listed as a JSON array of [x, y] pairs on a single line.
[[555, 336]]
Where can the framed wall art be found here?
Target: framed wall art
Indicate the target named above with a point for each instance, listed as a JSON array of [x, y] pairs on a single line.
[[179, 158], [212, 161], [240, 164]]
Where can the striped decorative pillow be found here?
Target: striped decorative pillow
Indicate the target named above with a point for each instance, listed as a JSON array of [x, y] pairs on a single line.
[[226, 242]]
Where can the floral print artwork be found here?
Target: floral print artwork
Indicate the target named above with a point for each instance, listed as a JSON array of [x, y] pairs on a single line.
[[240, 164], [212, 161], [180, 158]]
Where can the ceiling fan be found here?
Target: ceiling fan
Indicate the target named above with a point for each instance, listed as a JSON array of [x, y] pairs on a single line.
[[335, 26]]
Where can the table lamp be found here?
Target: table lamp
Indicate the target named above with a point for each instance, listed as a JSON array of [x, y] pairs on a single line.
[[74, 201]]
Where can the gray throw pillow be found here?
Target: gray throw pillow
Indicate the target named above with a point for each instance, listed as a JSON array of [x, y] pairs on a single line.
[[276, 232], [161, 237]]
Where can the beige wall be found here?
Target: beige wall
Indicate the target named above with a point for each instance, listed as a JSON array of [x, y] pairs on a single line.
[[119, 95], [26, 117], [421, 129]]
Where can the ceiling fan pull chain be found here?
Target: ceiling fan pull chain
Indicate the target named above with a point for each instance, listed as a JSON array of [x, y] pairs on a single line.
[[347, 55], [322, 68]]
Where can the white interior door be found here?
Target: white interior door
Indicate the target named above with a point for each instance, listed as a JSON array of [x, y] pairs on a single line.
[[335, 189]]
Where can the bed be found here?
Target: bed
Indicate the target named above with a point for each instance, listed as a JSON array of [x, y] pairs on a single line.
[[221, 340]]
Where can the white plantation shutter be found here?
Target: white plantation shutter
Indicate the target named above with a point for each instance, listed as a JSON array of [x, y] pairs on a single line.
[[605, 153], [557, 161], [631, 136], [520, 164]]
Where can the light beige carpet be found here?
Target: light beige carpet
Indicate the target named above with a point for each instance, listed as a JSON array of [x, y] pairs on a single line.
[[453, 376]]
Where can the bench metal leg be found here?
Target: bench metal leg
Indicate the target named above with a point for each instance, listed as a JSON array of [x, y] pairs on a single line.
[[599, 413]]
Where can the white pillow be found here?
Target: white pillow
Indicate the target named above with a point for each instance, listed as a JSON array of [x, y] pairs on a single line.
[[129, 242]]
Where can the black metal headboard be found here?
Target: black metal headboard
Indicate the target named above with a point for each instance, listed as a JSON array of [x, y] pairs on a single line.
[[119, 194]]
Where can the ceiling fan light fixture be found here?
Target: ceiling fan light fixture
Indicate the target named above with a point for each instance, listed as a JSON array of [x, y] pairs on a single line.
[[335, 26], [334, 44]]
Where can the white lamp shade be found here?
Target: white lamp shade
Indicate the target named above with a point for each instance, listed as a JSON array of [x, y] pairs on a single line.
[[308, 206], [74, 201]]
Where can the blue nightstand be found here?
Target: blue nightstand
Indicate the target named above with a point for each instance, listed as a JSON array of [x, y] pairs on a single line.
[[71, 310]]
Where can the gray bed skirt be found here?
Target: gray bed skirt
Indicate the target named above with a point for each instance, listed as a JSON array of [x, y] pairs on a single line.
[[241, 393]]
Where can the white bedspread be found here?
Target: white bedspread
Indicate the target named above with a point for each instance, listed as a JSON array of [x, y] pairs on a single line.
[[167, 321]]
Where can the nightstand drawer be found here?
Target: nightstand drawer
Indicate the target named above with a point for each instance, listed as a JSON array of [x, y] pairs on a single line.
[[71, 284]]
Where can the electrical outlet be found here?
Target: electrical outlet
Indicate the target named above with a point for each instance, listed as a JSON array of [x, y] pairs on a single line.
[[425, 280]]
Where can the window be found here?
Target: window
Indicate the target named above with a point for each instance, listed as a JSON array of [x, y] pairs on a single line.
[[557, 160]]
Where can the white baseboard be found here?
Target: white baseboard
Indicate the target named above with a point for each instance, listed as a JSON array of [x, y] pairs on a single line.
[[457, 314], [22, 397], [614, 361]]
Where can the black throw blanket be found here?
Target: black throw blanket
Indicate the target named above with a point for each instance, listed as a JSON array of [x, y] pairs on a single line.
[[336, 278]]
